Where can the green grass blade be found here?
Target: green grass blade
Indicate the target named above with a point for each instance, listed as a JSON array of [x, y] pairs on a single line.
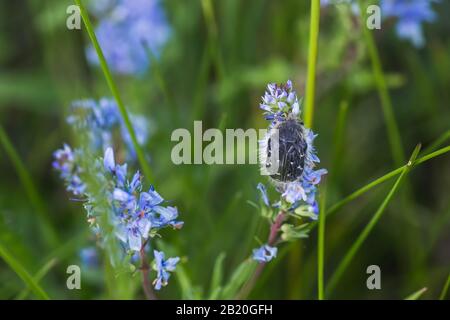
[[22, 273], [37, 278], [321, 246], [48, 232], [334, 208], [217, 276], [338, 141], [342, 267], [213, 38], [445, 289], [115, 92], [439, 142], [312, 59], [393, 132], [416, 295]]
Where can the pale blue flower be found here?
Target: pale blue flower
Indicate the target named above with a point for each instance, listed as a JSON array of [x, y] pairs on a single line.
[[262, 189], [264, 253], [163, 267]]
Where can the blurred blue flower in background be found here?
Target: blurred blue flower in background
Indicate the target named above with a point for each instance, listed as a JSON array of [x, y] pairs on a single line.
[[98, 120], [162, 268], [410, 14], [127, 30], [264, 253], [89, 257]]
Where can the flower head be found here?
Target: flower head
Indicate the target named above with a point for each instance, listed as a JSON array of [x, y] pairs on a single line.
[[163, 267], [280, 100], [264, 253]]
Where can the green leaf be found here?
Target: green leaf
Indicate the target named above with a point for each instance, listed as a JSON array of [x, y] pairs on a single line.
[[217, 276], [416, 295], [238, 278], [22, 273]]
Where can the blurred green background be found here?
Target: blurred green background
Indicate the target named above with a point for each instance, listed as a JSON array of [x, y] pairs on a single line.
[[215, 67]]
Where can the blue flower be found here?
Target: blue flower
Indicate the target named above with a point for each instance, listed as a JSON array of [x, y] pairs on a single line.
[[137, 212], [163, 267], [127, 29], [263, 190], [89, 257], [411, 14], [65, 163], [264, 253]]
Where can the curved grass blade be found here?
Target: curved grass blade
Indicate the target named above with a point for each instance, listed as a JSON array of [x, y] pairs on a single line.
[[416, 295], [48, 232], [445, 289], [342, 267], [115, 92], [22, 273], [217, 277]]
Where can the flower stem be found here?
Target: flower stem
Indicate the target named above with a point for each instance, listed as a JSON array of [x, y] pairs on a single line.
[[114, 90], [272, 239], [312, 59], [146, 285], [321, 246]]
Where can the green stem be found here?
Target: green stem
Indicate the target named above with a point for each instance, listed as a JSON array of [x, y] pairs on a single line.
[[22, 273], [342, 267], [48, 231], [113, 87], [312, 59], [386, 103], [321, 246]]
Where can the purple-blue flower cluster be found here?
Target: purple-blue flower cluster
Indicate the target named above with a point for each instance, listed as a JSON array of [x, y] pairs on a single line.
[[411, 14], [133, 216], [296, 179], [280, 103], [137, 213], [127, 30]]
